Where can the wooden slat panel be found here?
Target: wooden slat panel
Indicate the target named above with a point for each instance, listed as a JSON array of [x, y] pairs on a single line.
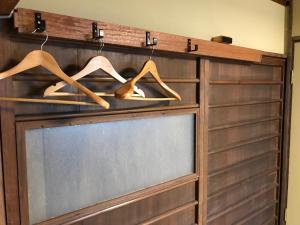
[[218, 181], [230, 137], [229, 71], [235, 115], [237, 155], [245, 118], [156, 206], [182, 218], [260, 217], [238, 212], [230, 94], [66, 27], [223, 200]]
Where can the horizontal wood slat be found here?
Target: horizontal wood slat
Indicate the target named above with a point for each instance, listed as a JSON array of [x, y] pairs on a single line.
[[241, 203], [245, 82], [249, 219], [66, 27], [242, 143], [242, 163], [170, 213], [101, 79], [244, 103], [243, 123]]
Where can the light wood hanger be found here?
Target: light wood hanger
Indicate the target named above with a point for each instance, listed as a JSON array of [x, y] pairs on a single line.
[[44, 59], [126, 90], [96, 63]]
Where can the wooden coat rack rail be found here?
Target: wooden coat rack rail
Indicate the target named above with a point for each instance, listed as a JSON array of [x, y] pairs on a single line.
[[66, 27]]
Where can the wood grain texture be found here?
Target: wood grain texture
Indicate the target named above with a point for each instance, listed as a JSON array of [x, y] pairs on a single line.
[[8, 141], [244, 141], [6, 6], [66, 27]]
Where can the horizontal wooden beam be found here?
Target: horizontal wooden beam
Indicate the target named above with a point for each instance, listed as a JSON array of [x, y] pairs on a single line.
[[281, 2], [6, 6], [66, 27]]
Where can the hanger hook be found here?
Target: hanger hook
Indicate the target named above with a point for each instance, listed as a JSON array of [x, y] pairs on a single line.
[[47, 37], [150, 57], [101, 46]]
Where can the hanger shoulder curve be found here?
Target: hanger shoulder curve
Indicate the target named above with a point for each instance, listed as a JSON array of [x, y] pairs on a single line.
[[96, 63], [126, 91]]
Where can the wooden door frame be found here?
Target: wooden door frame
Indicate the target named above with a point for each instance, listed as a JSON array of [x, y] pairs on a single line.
[[287, 115]]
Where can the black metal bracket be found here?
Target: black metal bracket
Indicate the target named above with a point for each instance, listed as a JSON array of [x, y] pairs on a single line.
[[40, 24], [190, 49], [97, 33], [148, 40]]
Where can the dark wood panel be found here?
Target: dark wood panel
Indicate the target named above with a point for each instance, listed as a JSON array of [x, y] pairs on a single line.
[[265, 215], [219, 202], [240, 154], [220, 180], [231, 94], [238, 212], [33, 82], [35, 89], [240, 114], [183, 218], [8, 140], [6, 6], [147, 209], [233, 136], [245, 116], [129, 65], [233, 71]]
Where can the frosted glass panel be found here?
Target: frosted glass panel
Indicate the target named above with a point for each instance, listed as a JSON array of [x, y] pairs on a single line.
[[73, 167]]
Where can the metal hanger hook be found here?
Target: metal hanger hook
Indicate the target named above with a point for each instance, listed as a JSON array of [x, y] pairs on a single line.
[[47, 37], [101, 46], [150, 57]]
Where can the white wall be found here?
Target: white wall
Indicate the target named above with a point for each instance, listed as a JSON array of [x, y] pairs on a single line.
[[252, 23]]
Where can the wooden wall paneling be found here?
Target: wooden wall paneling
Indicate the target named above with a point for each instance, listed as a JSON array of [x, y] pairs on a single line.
[[6, 6], [59, 26], [2, 198], [153, 209], [245, 115], [8, 141]]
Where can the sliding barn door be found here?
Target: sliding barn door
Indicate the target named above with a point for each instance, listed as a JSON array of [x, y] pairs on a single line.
[[244, 105]]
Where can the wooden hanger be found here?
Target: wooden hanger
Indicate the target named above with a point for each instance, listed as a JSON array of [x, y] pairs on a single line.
[[96, 63], [44, 59], [126, 90]]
